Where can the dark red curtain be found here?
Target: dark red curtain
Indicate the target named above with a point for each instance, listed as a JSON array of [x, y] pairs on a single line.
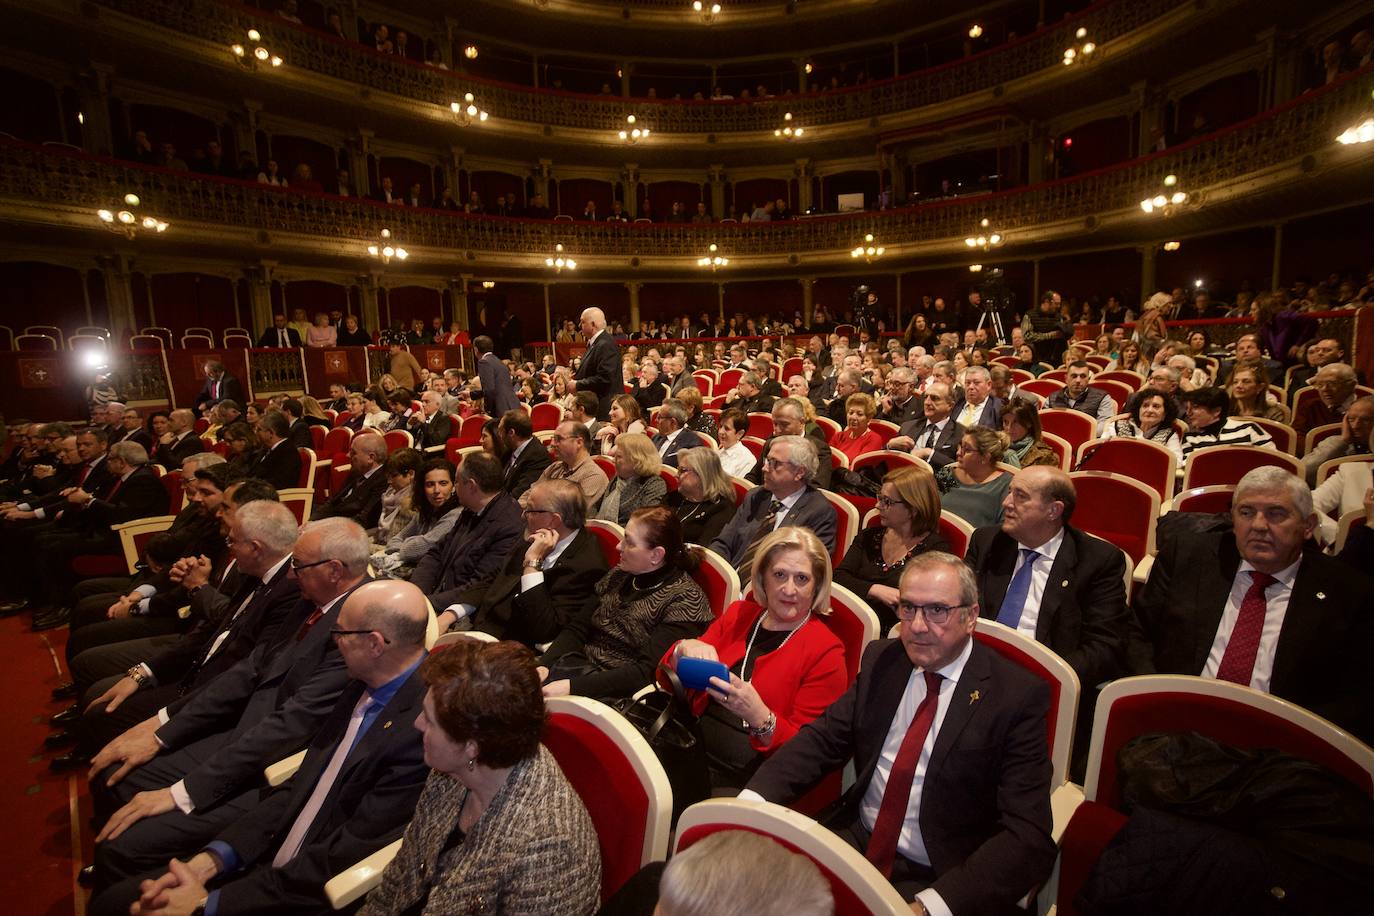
[[490, 185], [193, 300], [32, 292], [662, 194], [755, 191], [573, 194], [291, 151], [30, 112]]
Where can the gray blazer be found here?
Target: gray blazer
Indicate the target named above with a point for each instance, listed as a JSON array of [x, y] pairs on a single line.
[[635, 493], [812, 511]]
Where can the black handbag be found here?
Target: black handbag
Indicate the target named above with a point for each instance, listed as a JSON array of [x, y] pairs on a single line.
[[665, 719]]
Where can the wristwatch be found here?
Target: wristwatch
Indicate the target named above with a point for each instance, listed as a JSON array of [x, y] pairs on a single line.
[[136, 673]]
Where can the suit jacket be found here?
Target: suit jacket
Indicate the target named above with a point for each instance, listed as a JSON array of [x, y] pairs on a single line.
[[985, 801], [498, 390], [230, 389], [475, 549], [171, 456], [186, 660], [299, 435], [270, 337], [139, 496], [991, 414], [537, 615], [270, 703], [824, 467], [280, 466], [600, 373], [1319, 663], [683, 381], [1083, 616], [521, 475], [685, 439], [904, 413], [649, 396], [139, 435], [367, 808], [435, 431], [358, 499], [811, 511], [946, 444]]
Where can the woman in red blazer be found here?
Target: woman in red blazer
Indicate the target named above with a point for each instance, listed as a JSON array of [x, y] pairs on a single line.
[[786, 666]]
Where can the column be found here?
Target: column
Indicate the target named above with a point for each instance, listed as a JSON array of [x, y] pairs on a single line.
[[716, 175], [803, 171], [1037, 142], [244, 124], [97, 134], [367, 296], [1275, 277], [899, 185], [358, 146], [630, 176], [897, 306], [1035, 285], [548, 315], [1150, 103], [541, 183], [634, 286], [720, 300], [453, 165], [625, 79], [458, 291], [1147, 271], [119, 294], [259, 279], [800, 63], [808, 302]]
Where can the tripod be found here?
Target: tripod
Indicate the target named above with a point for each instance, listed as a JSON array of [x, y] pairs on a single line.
[[993, 316]]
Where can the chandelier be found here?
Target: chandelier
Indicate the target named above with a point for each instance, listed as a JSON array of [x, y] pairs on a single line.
[[466, 111], [787, 130], [632, 134], [384, 251], [559, 262], [1360, 133], [127, 222], [1165, 202], [868, 250], [257, 54], [1081, 51], [984, 240], [708, 11], [470, 52], [712, 259]]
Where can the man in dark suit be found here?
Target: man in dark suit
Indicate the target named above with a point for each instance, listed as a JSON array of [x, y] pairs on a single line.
[[935, 437], [360, 497], [676, 376], [498, 389], [786, 498], [219, 386], [544, 584], [280, 334], [600, 371], [1052, 582], [117, 720], [900, 405], [977, 405], [179, 442], [298, 434], [673, 435], [290, 840], [280, 463], [938, 722], [217, 740], [789, 419], [846, 383], [431, 426], [1259, 606], [749, 396], [648, 390], [527, 458], [131, 427], [477, 546]]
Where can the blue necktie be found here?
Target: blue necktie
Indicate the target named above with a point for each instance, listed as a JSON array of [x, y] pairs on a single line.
[[1015, 601]]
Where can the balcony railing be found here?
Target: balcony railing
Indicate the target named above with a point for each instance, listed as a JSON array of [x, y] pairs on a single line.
[[1283, 135], [328, 56]]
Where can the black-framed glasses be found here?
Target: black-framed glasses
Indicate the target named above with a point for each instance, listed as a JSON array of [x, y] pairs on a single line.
[[935, 614], [531, 510], [887, 502], [336, 633], [297, 566]]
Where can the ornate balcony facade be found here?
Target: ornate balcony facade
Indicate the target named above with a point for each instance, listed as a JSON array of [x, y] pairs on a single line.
[[1038, 54]]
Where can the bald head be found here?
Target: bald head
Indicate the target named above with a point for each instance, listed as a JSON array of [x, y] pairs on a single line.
[[593, 321], [1038, 504], [384, 623]]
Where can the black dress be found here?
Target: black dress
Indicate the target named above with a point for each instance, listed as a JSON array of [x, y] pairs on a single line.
[[862, 568], [701, 521]]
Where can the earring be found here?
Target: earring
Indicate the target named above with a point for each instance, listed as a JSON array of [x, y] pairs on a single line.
[[472, 764]]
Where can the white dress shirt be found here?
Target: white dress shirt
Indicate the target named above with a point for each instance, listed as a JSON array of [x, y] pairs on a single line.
[[737, 460], [1040, 577], [787, 503], [1276, 597], [668, 442]]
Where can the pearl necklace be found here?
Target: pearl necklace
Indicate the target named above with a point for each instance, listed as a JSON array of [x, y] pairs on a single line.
[[749, 648]]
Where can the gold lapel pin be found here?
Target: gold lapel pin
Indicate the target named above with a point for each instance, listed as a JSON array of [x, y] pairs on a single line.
[[974, 697], [1321, 596], [386, 724], [1064, 584]]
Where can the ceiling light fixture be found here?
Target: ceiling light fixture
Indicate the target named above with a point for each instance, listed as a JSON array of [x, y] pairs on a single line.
[[632, 133], [126, 220], [560, 262], [384, 250], [254, 54], [466, 111], [1081, 51], [868, 250]]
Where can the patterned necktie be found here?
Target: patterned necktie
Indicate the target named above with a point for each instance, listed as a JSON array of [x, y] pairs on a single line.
[[1017, 591], [887, 826], [1238, 661], [931, 432], [761, 531]]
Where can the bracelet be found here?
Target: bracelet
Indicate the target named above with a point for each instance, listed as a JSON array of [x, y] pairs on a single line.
[[137, 675], [766, 728]]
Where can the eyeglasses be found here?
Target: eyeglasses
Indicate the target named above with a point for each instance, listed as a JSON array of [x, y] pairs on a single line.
[[773, 464], [336, 633], [297, 566], [886, 502], [935, 614], [532, 511]]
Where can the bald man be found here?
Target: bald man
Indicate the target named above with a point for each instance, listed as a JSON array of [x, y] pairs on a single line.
[[600, 372], [1053, 583]]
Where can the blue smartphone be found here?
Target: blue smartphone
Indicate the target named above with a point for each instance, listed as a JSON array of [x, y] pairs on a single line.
[[696, 673]]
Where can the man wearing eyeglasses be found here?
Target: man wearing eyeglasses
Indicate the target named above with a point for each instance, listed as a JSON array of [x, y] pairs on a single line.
[[952, 799], [216, 741], [353, 794], [572, 443], [787, 497]]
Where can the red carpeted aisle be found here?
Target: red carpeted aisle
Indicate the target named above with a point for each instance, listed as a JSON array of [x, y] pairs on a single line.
[[40, 823]]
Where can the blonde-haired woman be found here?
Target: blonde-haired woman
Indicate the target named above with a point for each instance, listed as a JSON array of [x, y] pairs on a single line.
[[637, 482], [1150, 326], [625, 417], [973, 486], [321, 333], [786, 666]]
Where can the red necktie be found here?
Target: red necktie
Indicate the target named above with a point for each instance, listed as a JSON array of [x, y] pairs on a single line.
[[109, 497], [85, 472], [1238, 661], [882, 843], [310, 621]]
